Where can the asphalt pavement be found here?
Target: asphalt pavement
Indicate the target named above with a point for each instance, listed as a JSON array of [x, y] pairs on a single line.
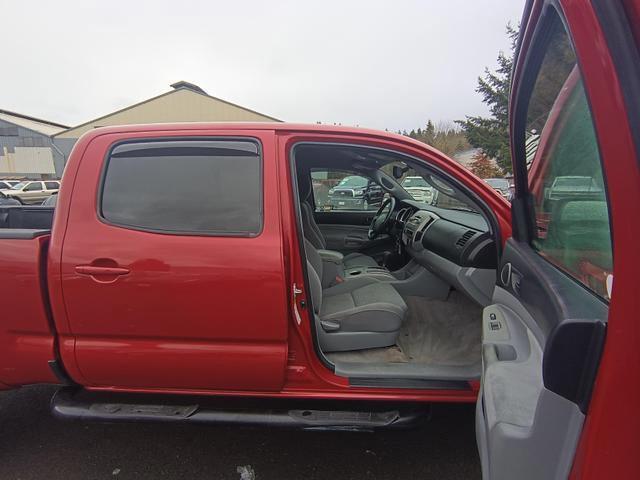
[[34, 445]]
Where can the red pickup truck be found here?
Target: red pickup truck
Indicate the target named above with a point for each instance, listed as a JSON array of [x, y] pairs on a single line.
[[192, 272]]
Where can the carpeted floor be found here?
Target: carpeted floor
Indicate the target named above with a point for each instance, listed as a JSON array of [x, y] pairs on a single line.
[[436, 332]]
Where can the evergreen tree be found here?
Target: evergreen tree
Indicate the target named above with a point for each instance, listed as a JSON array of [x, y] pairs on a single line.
[[491, 134], [483, 167]]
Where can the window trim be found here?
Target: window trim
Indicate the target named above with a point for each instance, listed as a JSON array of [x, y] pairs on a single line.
[[105, 166], [614, 21], [523, 202]]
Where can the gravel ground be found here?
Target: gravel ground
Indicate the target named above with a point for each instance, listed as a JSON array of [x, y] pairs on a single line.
[[34, 445]]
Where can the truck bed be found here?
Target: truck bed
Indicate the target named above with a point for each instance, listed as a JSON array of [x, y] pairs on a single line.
[[21, 221]]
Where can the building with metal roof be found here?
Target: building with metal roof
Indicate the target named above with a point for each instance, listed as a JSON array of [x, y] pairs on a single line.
[[26, 147], [185, 102]]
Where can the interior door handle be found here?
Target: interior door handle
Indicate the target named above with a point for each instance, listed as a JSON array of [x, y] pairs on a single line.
[[95, 270]]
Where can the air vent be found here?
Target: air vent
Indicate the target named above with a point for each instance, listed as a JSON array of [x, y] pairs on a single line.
[[462, 241], [403, 214]]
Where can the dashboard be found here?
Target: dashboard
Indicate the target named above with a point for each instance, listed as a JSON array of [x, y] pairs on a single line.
[[460, 237]]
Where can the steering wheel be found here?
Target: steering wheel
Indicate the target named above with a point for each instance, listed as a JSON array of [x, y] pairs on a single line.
[[381, 218]]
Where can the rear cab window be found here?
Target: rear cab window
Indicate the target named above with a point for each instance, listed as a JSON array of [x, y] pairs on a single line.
[[565, 175], [192, 187]]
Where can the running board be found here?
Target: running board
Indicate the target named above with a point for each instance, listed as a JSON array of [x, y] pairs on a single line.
[[75, 403]]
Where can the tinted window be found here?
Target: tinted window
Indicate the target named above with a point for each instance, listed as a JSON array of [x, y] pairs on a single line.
[[211, 187], [52, 185], [565, 175]]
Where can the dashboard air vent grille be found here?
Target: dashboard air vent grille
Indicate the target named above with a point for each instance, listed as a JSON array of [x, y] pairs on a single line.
[[462, 241]]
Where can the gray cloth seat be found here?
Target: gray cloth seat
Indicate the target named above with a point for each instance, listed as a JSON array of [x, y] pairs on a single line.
[[314, 235], [356, 314]]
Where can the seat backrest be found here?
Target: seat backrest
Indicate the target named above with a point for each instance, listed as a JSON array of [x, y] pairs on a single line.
[[314, 268], [310, 228]]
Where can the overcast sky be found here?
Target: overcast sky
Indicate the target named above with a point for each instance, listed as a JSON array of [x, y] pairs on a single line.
[[391, 64]]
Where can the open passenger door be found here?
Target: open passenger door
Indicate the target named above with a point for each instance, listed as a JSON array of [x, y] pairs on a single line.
[[544, 334]]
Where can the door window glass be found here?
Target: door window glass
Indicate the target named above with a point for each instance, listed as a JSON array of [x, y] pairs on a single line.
[[52, 185], [189, 187], [336, 190], [33, 186], [565, 172]]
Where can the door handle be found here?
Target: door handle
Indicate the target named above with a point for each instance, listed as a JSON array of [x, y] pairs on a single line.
[[95, 270]]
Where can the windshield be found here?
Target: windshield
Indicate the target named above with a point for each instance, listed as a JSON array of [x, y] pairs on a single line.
[[353, 181], [50, 201], [429, 195], [497, 182], [18, 186], [414, 182]]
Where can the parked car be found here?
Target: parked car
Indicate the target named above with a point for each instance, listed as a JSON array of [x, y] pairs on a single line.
[[8, 183], [51, 201], [355, 193], [32, 192], [419, 189], [501, 185], [229, 299], [574, 187], [4, 200]]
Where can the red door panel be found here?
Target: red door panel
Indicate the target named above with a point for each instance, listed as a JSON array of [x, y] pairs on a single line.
[[153, 310], [26, 338]]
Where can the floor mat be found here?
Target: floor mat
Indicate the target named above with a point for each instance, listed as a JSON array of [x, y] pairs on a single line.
[[436, 332]]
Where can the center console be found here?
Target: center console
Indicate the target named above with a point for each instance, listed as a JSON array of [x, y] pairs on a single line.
[[381, 273], [415, 227]]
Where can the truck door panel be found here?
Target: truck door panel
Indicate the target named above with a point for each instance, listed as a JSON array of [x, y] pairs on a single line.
[[26, 337], [544, 334], [185, 310]]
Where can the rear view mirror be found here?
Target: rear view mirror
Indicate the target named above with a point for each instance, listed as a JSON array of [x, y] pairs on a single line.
[[399, 171]]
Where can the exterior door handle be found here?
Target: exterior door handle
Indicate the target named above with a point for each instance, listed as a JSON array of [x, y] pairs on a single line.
[[94, 270]]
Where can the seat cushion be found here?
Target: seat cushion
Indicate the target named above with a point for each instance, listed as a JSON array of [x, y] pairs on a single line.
[[358, 260], [363, 305]]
